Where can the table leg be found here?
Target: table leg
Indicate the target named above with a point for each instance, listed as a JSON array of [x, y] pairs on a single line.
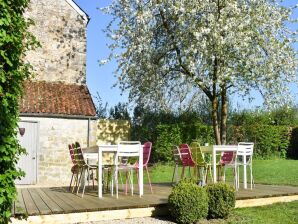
[[214, 164], [141, 190], [99, 174]]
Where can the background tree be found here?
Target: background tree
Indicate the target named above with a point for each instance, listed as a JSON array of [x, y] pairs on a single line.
[[119, 112], [15, 40], [217, 47], [101, 109]]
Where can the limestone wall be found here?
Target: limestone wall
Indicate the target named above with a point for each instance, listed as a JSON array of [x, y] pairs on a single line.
[[112, 131], [54, 163], [62, 34]]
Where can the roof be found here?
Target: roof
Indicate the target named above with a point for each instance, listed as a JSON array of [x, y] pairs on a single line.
[[56, 98], [78, 9]]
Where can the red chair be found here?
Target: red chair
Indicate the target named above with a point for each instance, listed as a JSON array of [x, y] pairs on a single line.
[[75, 168], [186, 158], [146, 157], [228, 160]]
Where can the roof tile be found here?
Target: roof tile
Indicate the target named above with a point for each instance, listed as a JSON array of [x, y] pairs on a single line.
[[56, 98]]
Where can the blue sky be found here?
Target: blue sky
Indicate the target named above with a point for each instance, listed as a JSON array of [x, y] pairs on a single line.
[[101, 79]]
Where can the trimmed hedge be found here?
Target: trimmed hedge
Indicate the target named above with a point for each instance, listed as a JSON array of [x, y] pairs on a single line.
[[188, 202], [221, 198], [270, 140]]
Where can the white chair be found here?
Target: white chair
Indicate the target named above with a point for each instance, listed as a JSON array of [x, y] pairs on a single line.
[[244, 157], [126, 149]]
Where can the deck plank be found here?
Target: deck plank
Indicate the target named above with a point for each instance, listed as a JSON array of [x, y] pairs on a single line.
[[29, 203], [66, 207], [52, 205], [19, 205]]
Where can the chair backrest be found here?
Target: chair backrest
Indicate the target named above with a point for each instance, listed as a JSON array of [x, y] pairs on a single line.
[[186, 157], [176, 154], [71, 153], [127, 149], [146, 152], [245, 149], [227, 158], [197, 154], [78, 155]]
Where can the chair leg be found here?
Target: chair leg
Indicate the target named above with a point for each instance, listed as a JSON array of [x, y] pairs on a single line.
[[252, 183], [70, 181], [131, 180], [175, 174], [80, 179], [126, 179], [84, 184], [182, 174], [116, 183], [75, 181], [149, 180]]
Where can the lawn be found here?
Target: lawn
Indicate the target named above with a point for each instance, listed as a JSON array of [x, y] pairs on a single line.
[[276, 213], [279, 171]]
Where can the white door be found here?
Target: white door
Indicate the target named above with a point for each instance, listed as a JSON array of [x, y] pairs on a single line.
[[29, 140]]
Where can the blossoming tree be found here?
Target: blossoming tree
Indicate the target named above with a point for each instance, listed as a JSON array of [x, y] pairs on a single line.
[[213, 47]]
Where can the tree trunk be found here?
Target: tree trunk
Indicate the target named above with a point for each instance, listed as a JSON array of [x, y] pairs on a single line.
[[215, 120], [224, 116]]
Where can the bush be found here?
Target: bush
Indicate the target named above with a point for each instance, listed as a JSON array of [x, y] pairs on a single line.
[[221, 200], [168, 135], [270, 140], [188, 202]]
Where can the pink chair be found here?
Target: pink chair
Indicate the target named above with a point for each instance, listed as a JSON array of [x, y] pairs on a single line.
[[228, 160], [146, 157], [186, 158]]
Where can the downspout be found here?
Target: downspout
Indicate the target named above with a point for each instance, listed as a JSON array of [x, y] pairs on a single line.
[[88, 133]]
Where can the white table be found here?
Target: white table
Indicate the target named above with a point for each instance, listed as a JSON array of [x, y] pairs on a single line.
[[227, 148], [112, 149]]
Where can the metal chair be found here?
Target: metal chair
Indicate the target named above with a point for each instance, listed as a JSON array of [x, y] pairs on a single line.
[[177, 160], [126, 149], [83, 167], [74, 169], [245, 150]]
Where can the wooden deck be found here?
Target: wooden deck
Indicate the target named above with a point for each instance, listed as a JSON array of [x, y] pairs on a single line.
[[57, 200]]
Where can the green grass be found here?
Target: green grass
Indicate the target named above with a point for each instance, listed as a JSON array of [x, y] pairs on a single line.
[[276, 213], [279, 172]]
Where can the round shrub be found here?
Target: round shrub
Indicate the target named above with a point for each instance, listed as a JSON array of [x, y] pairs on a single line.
[[188, 202], [221, 200]]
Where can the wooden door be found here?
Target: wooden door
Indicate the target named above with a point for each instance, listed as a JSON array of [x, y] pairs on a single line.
[[30, 141]]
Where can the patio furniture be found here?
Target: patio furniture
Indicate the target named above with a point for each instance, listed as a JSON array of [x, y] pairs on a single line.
[[227, 160], [128, 149], [244, 158], [83, 167], [146, 157], [202, 166], [177, 160], [186, 158], [74, 169]]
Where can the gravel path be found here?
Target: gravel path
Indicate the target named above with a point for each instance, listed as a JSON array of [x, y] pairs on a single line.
[[147, 220]]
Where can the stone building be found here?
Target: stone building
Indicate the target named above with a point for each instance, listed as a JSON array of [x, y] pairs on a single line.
[[57, 108]]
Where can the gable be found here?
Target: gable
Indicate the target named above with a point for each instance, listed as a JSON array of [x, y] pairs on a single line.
[[77, 8]]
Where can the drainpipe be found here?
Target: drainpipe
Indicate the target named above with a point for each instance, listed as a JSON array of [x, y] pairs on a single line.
[[88, 133]]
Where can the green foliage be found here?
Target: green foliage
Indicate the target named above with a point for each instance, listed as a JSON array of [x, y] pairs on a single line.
[[188, 202], [168, 135], [14, 41], [270, 140], [119, 112], [221, 200], [293, 150]]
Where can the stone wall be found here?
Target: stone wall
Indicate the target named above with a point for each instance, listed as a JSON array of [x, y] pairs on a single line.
[[55, 134], [62, 33]]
